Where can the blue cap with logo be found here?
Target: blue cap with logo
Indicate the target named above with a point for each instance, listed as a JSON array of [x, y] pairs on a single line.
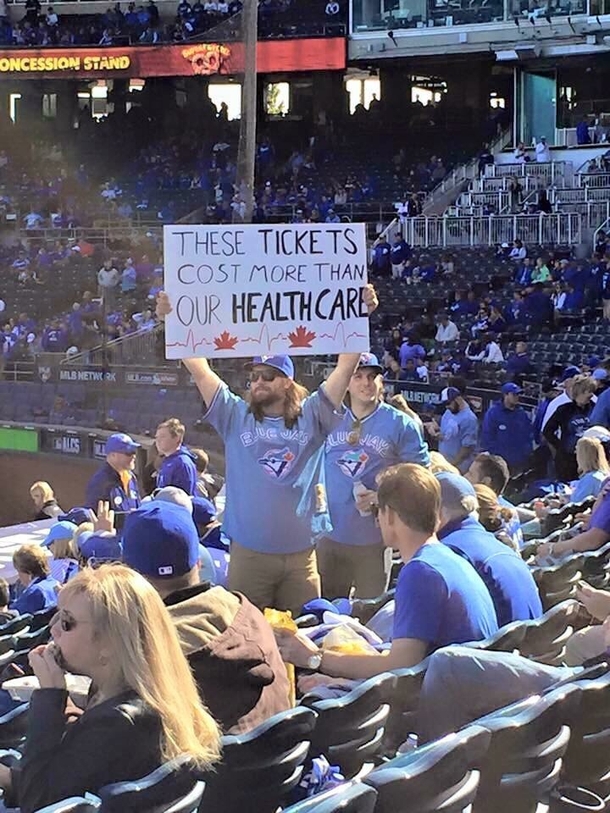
[[510, 388], [122, 443], [449, 394], [369, 360], [282, 363], [77, 515], [61, 530], [100, 545], [160, 540]]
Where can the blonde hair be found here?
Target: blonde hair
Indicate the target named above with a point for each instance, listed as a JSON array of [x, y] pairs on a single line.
[[64, 549], [491, 514], [400, 403], [439, 463], [582, 385], [44, 489], [174, 426], [31, 559], [293, 405], [590, 456], [128, 611]]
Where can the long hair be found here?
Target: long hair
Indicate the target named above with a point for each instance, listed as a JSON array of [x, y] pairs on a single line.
[[293, 405], [129, 612], [44, 489], [591, 456]]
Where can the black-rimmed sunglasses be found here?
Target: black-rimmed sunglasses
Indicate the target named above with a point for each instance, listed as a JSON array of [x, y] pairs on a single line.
[[266, 375]]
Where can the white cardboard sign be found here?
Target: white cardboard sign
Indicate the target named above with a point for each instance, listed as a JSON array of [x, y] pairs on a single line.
[[265, 289]]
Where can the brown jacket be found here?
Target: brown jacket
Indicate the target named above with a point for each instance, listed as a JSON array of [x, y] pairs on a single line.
[[232, 651]]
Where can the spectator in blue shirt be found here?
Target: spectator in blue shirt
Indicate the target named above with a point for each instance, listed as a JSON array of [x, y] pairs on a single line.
[[492, 470], [523, 275], [538, 307], [381, 265], [39, 587], [399, 254], [507, 430], [459, 429], [178, 467], [518, 363], [411, 349], [440, 598], [505, 574], [115, 482]]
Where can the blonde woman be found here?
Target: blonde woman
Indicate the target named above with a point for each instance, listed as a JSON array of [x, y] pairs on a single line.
[[44, 501], [143, 707], [440, 463], [494, 517], [593, 469]]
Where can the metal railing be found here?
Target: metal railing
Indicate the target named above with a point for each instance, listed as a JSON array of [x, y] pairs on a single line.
[[595, 180], [139, 348], [579, 194], [550, 173], [564, 228], [497, 200], [592, 213], [96, 235], [605, 226], [502, 184]]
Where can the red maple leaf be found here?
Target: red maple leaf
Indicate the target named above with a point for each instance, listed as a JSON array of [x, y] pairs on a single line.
[[301, 337], [225, 341]]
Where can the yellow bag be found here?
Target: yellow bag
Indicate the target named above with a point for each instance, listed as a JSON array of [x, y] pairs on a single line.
[[282, 620]]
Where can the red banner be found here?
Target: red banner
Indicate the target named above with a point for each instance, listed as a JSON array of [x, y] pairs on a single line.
[[199, 59]]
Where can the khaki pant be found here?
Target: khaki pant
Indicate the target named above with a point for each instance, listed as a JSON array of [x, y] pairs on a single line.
[[366, 568], [277, 580], [585, 644]]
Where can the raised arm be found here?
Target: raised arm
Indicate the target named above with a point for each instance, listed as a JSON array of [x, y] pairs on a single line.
[[337, 382], [205, 378]]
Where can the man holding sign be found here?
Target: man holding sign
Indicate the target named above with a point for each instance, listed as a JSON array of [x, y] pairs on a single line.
[[276, 496]]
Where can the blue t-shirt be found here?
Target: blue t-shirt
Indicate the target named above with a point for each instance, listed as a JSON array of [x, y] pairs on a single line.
[[387, 437], [589, 485], [504, 573], [440, 599], [276, 496], [461, 429], [178, 469], [600, 518], [40, 594]]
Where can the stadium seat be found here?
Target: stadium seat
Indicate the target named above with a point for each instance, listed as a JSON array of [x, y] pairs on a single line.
[[365, 609], [438, 776], [18, 624], [23, 643], [507, 639], [42, 618], [404, 699], [351, 798], [523, 763], [544, 638], [558, 583], [349, 730], [76, 804], [173, 787], [260, 768], [13, 726]]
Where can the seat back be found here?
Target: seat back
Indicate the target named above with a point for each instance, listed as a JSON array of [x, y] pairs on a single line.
[[349, 730], [21, 622], [586, 761], [27, 642], [165, 788], [42, 618], [437, 776], [75, 804], [404, 700], [13, 726], [352, 798], [260, 768], [523, 762], [545, 638]]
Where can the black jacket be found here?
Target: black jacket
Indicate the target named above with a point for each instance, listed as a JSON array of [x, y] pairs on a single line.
[[117, 740]]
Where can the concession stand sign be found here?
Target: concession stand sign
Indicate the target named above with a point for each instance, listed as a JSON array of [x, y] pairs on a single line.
[[186, 59]]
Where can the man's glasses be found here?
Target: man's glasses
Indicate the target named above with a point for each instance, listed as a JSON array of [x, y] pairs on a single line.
[[266, 375], [355, 433]]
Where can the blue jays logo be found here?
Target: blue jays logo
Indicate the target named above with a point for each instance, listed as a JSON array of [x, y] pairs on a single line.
[[277, 462], [352, 464]]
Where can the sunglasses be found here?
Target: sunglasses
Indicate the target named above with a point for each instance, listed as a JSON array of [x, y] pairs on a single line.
[[67, 623], [266, 375], [355, 433]]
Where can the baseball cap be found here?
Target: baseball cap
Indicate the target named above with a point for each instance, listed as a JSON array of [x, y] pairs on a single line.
[[175, 496], [120, 442], [369, 360], [449, 394], [204, 511], [569, 372], [593, 361], [510, 387], [61, 530], [599, 374], [598, 432], [100, 545], [454, 488], [160, 540], [282, 363], [77, 515]]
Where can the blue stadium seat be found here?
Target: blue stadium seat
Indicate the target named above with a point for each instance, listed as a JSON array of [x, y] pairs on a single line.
[[76, 804], [351, 798]]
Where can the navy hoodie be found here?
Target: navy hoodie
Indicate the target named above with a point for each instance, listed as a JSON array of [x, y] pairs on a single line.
[[508, 433], [178, 469]]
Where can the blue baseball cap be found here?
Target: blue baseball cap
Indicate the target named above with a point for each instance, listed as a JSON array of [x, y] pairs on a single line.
[[100, 545], [204, 511], [77, 515], [282, 363], [122, 443], [449, 394], [160, 540], [369, 360], [599, 374], [569, 372], [454, 488], [593, 361], [510, 388], [61, 530]]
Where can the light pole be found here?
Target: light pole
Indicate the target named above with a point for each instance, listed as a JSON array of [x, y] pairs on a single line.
[[246, 152]]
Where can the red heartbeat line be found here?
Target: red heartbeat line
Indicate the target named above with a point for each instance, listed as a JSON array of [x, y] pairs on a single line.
[[193, 344]]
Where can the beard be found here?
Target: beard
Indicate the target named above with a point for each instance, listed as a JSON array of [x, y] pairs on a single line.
[[265, 399]]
